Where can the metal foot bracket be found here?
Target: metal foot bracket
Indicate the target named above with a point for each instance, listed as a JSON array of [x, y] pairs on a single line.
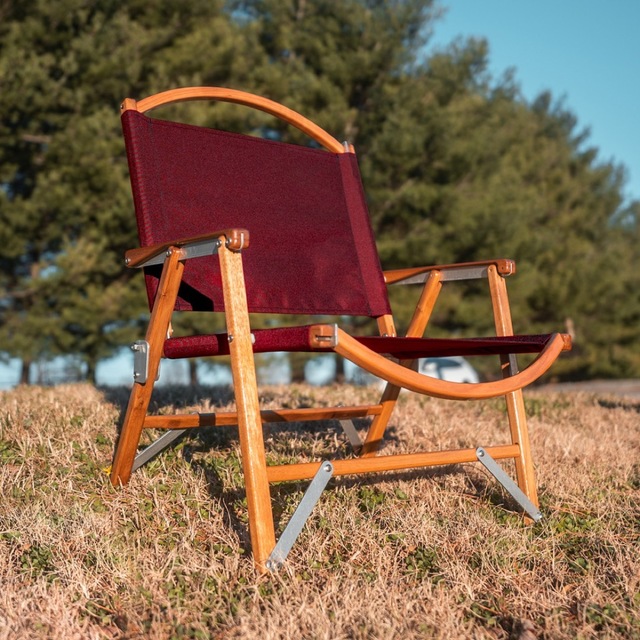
[[156, 447], [300, 516], [510, 486]]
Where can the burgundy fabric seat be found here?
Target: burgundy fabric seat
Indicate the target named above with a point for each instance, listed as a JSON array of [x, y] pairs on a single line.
[[296, 339]]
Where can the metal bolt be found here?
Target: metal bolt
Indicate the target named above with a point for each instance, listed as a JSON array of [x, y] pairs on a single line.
[[230, 337], [135, 347], [272, 565]]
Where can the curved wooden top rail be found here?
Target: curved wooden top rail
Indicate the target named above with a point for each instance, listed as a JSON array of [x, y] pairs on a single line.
[[238, 97], [380, 366]]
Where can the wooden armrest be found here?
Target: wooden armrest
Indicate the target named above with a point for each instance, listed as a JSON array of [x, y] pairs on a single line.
[[236, 239], [459, 271], [349, 348]]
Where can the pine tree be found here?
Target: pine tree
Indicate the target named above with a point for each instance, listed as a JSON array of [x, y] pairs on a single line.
[[65, 207]]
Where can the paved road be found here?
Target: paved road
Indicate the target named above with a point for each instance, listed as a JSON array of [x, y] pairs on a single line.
[[627, 388]]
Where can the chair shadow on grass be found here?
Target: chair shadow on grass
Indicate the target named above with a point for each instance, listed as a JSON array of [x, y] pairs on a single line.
[[196, 443], [626, 404]]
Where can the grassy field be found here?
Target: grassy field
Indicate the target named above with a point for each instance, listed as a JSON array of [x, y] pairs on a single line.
[[435, 554]]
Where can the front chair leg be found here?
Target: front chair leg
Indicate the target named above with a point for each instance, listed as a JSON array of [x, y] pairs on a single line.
[[141, 392], [254, 465]]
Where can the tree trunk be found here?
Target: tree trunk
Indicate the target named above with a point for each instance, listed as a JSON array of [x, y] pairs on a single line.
[[92, 366], [298, 362], [193, 372], [340, 376], [24, 371]]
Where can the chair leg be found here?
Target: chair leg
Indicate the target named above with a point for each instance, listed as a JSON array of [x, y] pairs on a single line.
[[378, 426], [141, 392], [417, 327], [261, 528], [515, 403], [525, 473], [132, 426]]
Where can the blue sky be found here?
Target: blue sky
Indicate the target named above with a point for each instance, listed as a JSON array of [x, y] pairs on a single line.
[[585, 51]]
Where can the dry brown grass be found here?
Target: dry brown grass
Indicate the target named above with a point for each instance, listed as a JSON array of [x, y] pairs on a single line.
[[431, 554]]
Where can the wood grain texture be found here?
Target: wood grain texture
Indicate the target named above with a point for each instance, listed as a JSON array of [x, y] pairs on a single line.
[[245, 387], [239, 97], [378, 464], [141, 393], [525, 473], [380, 366]]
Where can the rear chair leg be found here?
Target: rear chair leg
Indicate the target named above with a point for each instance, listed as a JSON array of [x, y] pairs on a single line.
[[417, 327], [379, 424], [525, 473], [515, 403]]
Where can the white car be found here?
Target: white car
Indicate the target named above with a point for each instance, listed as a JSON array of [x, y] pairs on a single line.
[[451, 368]]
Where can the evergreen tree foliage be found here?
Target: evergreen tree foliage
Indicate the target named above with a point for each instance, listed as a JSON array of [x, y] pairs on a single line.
[[457, 165], [65, 208]]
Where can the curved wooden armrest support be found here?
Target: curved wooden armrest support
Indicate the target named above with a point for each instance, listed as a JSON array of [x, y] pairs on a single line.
[[236, 240], [400, 376], [243, 98], [466, 270]]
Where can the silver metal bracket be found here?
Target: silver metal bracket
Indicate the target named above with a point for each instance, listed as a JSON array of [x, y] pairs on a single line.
[[192, 250], [156, 447], [140, 350], [513, 364], [451, 274], [463, 273], [510, 486], [352, 434], [300, 517], [330, 341]]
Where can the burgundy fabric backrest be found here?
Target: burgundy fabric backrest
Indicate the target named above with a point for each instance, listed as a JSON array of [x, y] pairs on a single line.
[[311, 249]]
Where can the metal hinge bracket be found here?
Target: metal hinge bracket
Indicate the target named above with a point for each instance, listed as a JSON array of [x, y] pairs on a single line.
[[156, 447], [300, 517], [352, 434], [140, 350], [510, 486]]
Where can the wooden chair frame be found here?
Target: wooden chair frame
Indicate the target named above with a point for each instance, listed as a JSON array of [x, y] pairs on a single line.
[[229, 245]]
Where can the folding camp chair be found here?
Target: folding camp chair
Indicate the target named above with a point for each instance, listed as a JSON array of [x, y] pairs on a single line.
[[236, 224]]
